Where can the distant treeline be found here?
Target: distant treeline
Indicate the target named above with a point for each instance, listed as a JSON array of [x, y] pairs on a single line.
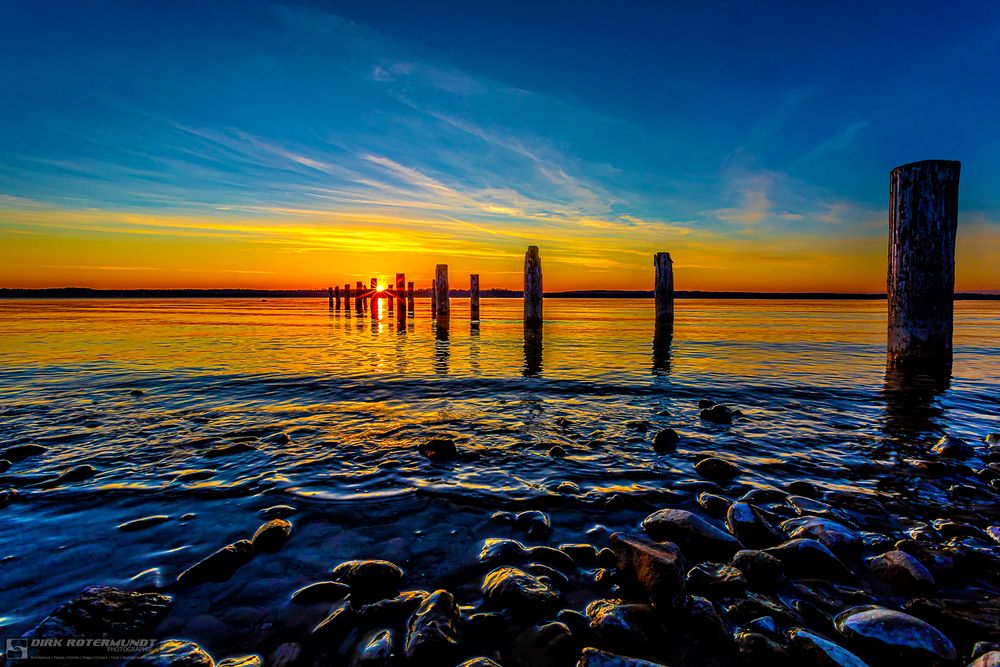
[[88, 293]]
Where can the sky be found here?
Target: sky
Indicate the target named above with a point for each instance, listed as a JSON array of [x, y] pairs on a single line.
[[303, 144]]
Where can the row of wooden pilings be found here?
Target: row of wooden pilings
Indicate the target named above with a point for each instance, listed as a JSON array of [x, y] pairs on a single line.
[[923, 219]]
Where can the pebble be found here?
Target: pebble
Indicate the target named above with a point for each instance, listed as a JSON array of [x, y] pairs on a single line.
[[557, 452], [715, 505], [432, 633], [717, 414], [374, 650], [99, 611], [479, 662], [991, 659], [758, 649], [20, 452], [544, 645], [582, 554], [808, 558], [715, 578], [438, 449], [241, 661], [219, 566], [666, 440], [271, 536], [535, 523], [277, 512], [716, 469], [816, 650], [369, 580], [892, 635], [750, 527], [4, 465], [625, 627], [519, 592], [696, 537], [901, 571], [951, 447], [229, 450], [832, 534], [321, 591], [174, 653], [657, 568], [592, 657]]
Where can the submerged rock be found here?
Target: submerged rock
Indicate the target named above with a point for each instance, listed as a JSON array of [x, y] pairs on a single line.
[[369, 579], [666, 440], [432, 633], [277, 512], [814, 649], [886, 634], [270, 537], [716, 578], [219, 566], [174, 653], [321, 591], [144, 522], [695, 536], [229, 450], [716, 469], [501, 551], [516, 590], [715, 505], [717, 414], [438, 449], [951, 447], [832, 534], [78, 473], [750, 526], [592, 657], [20, 452], [241, 661], [543, 646], [625, 627], [658, 568], [901, 571], [375, 650], [104, 611], [4, 465], [535, 523], [808, 558]]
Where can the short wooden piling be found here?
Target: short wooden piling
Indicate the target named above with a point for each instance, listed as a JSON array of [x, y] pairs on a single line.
[[410, 301], [329, 293], [373, 298], [441, 285], [347, 298], [400, 293], [532, 288], [663, 289], [359, 305], [923, 219], [434, 292], [336, 296], [474, 296]]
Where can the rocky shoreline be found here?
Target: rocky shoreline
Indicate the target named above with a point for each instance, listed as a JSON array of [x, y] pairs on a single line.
[[732, 574]]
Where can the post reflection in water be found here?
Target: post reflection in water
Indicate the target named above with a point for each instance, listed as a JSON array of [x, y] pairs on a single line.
[[441, 344], [663, 338], [474, 367], [911, 406], [532, 352]]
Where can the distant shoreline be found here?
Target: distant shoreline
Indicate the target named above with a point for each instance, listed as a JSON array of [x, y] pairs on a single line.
[[89, 293]]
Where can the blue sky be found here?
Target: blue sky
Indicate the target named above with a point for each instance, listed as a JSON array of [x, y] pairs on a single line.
[[285, 136]]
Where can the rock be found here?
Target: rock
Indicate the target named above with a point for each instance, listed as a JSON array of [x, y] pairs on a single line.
[[438, 449], [813, 649], [279, 438], [810, 506], [592, 657], [285, 655], [705, 403], [991, 659], [982, 648], [657, 568], [20, 452], [174, 653], [750, 526], [137, 392], [536, 524], [716, 469], [808, 558], [277, 512], [375, 650], [557, 452], [241, 661], [544, 645], [832, 534], [369, 580], [943, 562], [607, 558], [953, 448], [8, 496], [4, 465], [716, 578], [104, 611], [270, 537], [801, 487], [632, 628], [901, 571], [229, 450], [640, 425], [763, 494], [144, 522], [552, 557], [757, 649], [666, 440], [321, 591], [764, 625], [992, 439], [76, 474], [432, 633], [521, 593], [976, 619], [884, 634], [696, 537], [219, 566], [714, 505], [582, 554], [479, 662], [569, 488], [717, 414], [549, 575], [500, 551]]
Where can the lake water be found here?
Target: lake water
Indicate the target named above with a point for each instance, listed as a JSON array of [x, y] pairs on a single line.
[[356, 395]]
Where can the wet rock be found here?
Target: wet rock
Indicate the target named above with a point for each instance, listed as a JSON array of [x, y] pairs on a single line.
[[277, 512], [764, 625], [557, 452], [552, 557], [285, 654], [755, 605], [104, 611], [174, 653], [832, 534], [321, 591], [549, 575], [705, 628], [953, 448], [714, 505], [633, 628], [640, 425], [813, 649], [229, 450], [715, 578], [271, 536], [884, 634], [432, 633], [800, 487], [576, 621], [811, 506], [137, 392], [592, 657], [500, 551], [991, 659], [369, 579], [763, 494], [750, 526], [219, 566], [374, 650], [438, 449], [901, 571], [569, 488], [696, 537], [4, 465], [808, 558], [717, 414], [241, 661], [975, 619], [545, 645], [607, 558], [7, 496], [582, 554], [479, 662], [716, 469], [20, 452], [666, 440], [705, 403], [518, 591], [78, 473], [943, 562], [536, 524], [992, 439], [657, 568], [757, 649], [279, 438]]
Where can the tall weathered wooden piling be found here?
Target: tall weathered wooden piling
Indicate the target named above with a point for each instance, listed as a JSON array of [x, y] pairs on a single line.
[[359, 305], [532, 288], [329, 293], [441, 286], [410, 301], [434, 292], [663, 289], [923, 219], [336, 296], [474, 296], [373, 298], [347, 298], [400, 293]]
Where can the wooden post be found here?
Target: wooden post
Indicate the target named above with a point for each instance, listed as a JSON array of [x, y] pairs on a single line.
[[400, 293], [329, 293], [347, 298], [474, 296], [410, 301], [441, 283], [663, 290], [359, 305], [923, 218], [373, 298], [336, 296], [532, 288], [434, 291]]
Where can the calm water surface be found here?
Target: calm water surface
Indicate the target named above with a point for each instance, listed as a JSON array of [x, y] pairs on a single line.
[[355, 396]]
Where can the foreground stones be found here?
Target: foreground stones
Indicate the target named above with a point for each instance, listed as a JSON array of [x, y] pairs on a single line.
[[592, 657], [219, 566], [882, 633], [694, 535], [658, 568], [174, 653], [432, 633], [104, 611], [517, 591]]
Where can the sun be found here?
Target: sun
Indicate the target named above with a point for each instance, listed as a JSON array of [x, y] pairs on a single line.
[[380, 288]]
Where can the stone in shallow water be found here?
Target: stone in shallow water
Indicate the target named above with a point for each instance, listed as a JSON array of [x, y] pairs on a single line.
[[552, 557], [4, 465], [716, 469], [375, 650], [658, 568], [518, 591], [104, 611], [814, 649], [991, 659], [582, 554], [321, 591], [716, 578], [751, 527], [592, 657], [832, 534], [369, 579], [21, 452], [501, 551], [696, 537], [174, 653], [717, 414], [219, 566], [714, 505], [144, 522], [270, 537], [241, 661], [901, 571], [78, 473], [634, 628], [438, 449], [951, 447], [544, 645], [757, 649], [666, 440], [975, 619], [883, 633], [432, 633], [535, 523], [277, 512], [808, 558]]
